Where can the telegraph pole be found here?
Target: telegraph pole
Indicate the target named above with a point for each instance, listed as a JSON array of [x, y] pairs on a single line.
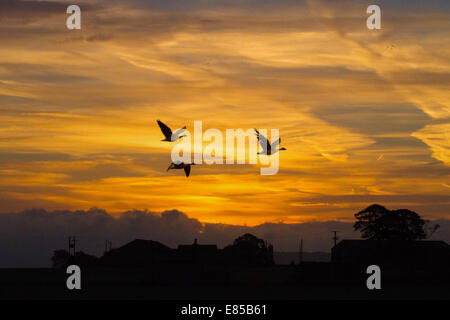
[[74, 242], [335, 238], [108, 245], [300, 258]]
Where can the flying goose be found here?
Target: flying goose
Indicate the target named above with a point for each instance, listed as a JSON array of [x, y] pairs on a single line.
[[268, 149], [182, 165], [169, 136]]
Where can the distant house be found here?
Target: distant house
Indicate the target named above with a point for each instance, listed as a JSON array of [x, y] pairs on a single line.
[[410, 254], [138, 253], [187, 264], [147, 253]]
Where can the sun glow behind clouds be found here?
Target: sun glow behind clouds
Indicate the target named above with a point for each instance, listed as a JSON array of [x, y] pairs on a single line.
[[363, 114]]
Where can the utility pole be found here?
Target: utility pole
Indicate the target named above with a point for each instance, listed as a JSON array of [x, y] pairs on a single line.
[[108, 245], [72, 244], [335, 238], [300, 258]]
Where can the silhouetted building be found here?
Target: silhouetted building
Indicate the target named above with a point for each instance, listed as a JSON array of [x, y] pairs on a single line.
[[188, 264], [137, 253], [199, 253]]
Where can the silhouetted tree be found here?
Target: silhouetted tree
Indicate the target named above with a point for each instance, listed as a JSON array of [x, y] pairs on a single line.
[[249, 240], [378, 223], [249, 250]]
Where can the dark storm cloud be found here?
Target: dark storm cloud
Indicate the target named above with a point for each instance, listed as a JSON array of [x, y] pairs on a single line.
[[28, 238]]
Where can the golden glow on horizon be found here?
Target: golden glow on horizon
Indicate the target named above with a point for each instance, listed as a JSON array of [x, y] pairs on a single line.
[[363, 121]]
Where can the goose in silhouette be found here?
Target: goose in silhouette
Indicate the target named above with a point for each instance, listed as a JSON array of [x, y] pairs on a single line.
[[169, 136], [268, 149], [182, 165]]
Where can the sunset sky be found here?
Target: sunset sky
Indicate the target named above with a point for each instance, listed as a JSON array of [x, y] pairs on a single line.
[[364, 114]]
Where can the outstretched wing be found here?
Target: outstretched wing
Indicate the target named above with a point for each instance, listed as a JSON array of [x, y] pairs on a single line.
[[177, 133], [276, 144], [263, 142], [165, 130], [187, 170]]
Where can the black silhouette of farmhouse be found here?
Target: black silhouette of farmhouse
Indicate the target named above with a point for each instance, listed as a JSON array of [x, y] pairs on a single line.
[[408, 261], [187, 264], [138, 254], [196, 253]]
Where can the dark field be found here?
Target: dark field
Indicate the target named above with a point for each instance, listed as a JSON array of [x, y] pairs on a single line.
[[256, 284]]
